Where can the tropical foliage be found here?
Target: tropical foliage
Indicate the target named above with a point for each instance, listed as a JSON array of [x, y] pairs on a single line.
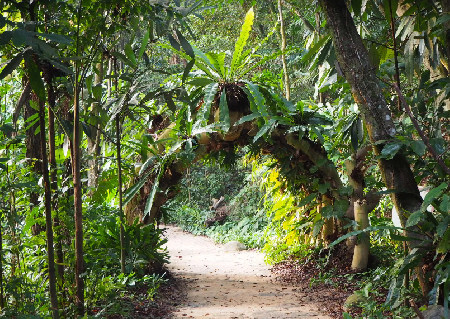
[[111, 115]]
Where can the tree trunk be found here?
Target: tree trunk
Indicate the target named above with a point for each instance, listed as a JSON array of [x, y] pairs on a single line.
[[328, 226], [119, 173], [94, 139], [76, 167], [361, 250], [354, 61], [48, 214], [33, 142]]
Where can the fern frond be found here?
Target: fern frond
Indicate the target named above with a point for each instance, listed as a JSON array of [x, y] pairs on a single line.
[[242, 40]]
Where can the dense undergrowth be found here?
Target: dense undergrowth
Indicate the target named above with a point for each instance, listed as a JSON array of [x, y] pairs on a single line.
[[108, 290]]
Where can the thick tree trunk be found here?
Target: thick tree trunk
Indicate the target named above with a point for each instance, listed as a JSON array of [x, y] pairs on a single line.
[[354, 61], [33, 142]]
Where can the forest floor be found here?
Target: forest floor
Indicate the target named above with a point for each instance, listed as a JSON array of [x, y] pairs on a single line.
[[220, 284]]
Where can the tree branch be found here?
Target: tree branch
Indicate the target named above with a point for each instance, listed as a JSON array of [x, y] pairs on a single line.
[[420, 131]]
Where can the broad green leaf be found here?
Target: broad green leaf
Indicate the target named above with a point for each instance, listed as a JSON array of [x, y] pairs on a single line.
[[258, 98], [242, 40], [356, 6], [316, 47], [187, 69], [210, 93], [443, 226], [396, 237], [318, 227], [340, 207], [152, 94], [170, 104], [418, 147], [327, 212], [366, 230], [247, 118], [433, 194], [224, 114], [144, 43], [173, 42], [122, 57], [200, 81], [438, 144], [130, 54], [445, 204], [36, 82], [444, 243], [318, 133], [151, 197], [264, 129], [206, 63], [389, 150], [8, 128], [97, 92], [132, 191], [55, 37], [185, 44], [323, 53], [414, 218], [323, 188], [218, 60], [307, 200], [11, 66]]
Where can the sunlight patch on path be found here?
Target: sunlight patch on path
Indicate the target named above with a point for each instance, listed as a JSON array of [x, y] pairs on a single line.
[[230, 284]]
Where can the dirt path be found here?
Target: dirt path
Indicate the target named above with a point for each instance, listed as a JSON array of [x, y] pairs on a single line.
[[230, 284]]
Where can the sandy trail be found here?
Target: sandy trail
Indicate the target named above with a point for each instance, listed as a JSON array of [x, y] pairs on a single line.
[[230, 284]]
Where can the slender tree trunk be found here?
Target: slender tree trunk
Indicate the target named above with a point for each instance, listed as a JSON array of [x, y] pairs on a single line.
[[94, 140], [283, 49], [48, 214], [119, 169], [54, 181], [76, 167]]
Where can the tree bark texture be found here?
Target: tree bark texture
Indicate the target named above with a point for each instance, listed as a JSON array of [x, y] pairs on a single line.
[[33, 142], [354, 61], [48, 214]]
